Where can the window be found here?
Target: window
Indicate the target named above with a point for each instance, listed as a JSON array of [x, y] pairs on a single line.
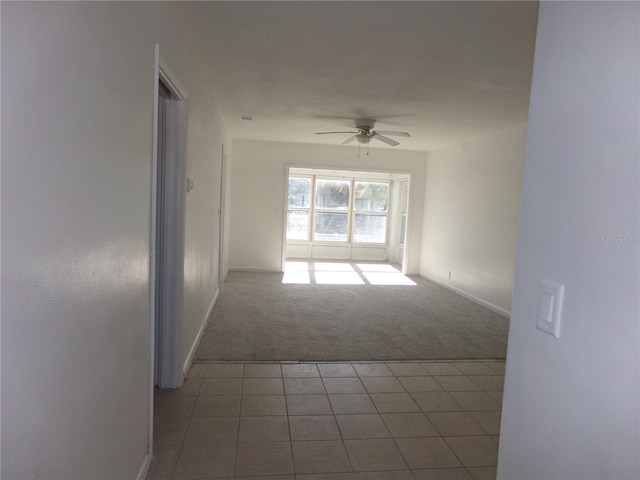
[[342, 211], [332, 210], [299, 208], [371, 202]]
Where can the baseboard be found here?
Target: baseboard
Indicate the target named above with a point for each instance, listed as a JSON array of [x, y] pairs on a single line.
[[473, 298], [254, 269], [196, 342], [144, 469]]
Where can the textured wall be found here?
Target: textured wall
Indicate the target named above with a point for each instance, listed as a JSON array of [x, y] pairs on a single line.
[[77, 97], [571, 404], [472, 197]]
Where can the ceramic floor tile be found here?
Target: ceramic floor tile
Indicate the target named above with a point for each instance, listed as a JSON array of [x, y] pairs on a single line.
[[262, 370], [489, 421], [443, 474], [344, 404], [230, 417], [488, 383], [498, 367], [263, 429], [436, 402], [409, 425], [191, 386], [308, 405], [263, 477], [300, 370], [212, 430], [221, 386], [452, 424], [496, 396], [327, 476], [217, 406], [224, 370], [483, 473], [206, 460], [336, 370], [164, 462], [169, 431], [478, 401], [362, 426], [382, 385], [456, 384], [320, 457], [394, 403], [475, 451], [406, 369], [429, 452], [473, 368], [266, 458], [374, 455], [372, 370], [420, 384], [261, 405], [343, 385], [173, 406], [440, 368], [388, 475], [197, 370], [262, 386], [313, 427], [303, 386]]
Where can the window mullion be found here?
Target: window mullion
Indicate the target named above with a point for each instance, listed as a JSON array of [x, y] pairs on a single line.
[[312, 211], [350, 218]]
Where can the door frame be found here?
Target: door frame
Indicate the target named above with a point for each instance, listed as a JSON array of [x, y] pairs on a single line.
[[170, 349]]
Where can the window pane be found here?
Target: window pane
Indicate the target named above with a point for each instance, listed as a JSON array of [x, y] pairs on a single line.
[[370, 228], [332, 194], [299, 192], [371, 197], [331, 227], [297, 225]]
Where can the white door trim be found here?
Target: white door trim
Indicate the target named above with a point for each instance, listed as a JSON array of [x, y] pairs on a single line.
[[169, 350]]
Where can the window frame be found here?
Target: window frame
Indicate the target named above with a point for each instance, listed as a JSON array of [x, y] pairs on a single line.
[[384, 214], [308, 209], [351, 211]]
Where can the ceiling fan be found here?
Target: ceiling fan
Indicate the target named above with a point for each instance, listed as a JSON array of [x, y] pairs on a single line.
[[365, 133]]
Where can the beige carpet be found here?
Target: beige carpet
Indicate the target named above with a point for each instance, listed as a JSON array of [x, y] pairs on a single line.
[[315, 318]]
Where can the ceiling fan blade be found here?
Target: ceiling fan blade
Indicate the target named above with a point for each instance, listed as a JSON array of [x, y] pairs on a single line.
[[349, 140], [397, 134], [325, 133], [386, 140]]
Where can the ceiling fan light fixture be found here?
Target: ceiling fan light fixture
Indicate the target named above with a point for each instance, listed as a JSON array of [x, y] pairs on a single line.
[[363, 138]]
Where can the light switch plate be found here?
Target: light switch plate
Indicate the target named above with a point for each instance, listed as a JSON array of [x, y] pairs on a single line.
[[550, 301]]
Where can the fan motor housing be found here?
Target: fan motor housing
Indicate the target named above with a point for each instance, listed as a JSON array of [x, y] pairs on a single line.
[[365, 124]]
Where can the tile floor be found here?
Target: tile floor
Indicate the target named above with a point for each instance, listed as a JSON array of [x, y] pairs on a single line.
[[331, 421]]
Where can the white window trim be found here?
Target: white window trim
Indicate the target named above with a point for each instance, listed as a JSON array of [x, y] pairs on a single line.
[[351, 212]]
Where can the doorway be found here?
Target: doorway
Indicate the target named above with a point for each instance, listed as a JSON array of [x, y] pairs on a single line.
[[168, 232]]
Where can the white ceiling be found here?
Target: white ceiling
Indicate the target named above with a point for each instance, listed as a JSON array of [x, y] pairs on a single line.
[[442, 71]]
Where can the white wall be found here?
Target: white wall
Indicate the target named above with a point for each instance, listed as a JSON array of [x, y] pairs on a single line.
[[77, 96], [258, 186], [472, 197], [571, 404]]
